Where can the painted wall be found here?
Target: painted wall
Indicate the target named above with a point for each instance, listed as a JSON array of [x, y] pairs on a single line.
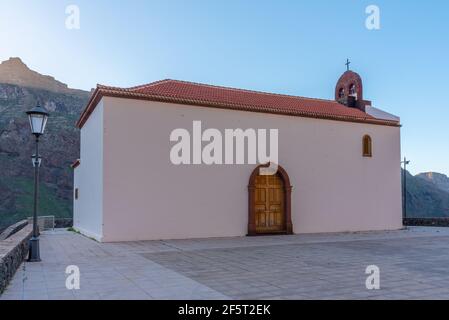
[[335, 189], [88, 209]]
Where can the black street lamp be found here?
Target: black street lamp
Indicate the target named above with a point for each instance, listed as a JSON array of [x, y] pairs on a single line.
[[38, 120], [404, 187]]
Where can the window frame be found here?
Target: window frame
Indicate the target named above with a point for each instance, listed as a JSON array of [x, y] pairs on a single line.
[[367, 146]]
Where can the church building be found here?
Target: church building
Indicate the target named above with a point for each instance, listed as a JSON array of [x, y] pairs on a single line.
[[337, 164]]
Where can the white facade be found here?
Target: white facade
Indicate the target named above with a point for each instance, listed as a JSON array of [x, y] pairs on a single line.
[[129, 189], [88, 179]]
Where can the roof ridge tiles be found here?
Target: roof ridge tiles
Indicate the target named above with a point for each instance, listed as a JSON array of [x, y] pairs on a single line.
[[227, 88], [237, 99]]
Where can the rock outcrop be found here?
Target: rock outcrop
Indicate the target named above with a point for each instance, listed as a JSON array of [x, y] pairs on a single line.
[[20, 90]]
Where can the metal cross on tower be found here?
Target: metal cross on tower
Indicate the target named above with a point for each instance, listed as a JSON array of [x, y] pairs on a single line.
[[347, 64]]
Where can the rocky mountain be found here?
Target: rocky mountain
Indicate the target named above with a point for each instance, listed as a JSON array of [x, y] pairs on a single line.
[[14, 71], [20, 90], [427, 195], [441, 181]]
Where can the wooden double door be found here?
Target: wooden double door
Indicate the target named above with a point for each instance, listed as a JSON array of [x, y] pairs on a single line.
[[269, 204]]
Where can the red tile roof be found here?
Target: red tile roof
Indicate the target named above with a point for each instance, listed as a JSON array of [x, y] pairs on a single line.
[[182, 92]]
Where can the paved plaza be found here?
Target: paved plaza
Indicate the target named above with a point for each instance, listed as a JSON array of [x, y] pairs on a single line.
[[413, 263]]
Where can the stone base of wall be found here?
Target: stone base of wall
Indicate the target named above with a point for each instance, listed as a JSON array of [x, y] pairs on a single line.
[[427, 222], [63, 223], [13, 252]]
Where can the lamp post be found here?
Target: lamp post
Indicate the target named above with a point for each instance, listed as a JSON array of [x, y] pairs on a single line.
[[38, 120], [404, 187], [34, 160]]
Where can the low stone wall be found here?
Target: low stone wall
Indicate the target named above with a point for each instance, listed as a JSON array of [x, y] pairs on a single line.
[[63, 222], [12, 253], [8, 232], [427, 222]]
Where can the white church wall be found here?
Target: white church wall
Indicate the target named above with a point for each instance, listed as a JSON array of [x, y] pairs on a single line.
[[335, 189], [88, 208]]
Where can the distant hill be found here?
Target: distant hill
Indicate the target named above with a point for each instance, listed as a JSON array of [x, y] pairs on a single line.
[[20, 90], [14, 71], [427, 195], [441, 181]]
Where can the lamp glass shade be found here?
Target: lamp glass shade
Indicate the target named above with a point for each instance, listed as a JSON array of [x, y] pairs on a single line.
[[38, 120]]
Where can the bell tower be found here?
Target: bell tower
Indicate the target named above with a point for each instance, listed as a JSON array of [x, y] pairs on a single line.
[[349, 90]]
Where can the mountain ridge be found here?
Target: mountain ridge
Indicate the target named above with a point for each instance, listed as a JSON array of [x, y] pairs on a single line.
[[440, 180], [425, 199], [15, 71], [20, 90]]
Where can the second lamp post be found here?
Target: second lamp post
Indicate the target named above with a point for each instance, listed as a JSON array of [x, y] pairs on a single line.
[[38, 120]]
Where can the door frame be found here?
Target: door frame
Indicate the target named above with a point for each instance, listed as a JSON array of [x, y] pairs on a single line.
[[287, 201]]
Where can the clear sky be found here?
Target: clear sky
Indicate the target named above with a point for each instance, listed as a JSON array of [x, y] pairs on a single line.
[[295, 47]]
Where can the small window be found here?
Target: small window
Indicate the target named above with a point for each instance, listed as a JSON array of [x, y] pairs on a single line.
[[76, 193], [341, 93], [367, 146]]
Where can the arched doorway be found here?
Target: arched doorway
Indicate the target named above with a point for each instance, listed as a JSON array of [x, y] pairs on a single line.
[[269, 203]]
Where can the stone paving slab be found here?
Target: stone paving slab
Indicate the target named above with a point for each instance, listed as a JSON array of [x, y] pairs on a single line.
[[413, 265]]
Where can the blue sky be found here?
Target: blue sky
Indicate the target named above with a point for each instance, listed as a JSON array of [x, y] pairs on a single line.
[[294, 47]]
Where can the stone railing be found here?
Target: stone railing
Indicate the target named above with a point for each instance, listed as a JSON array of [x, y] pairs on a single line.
[[13, 251], [8, 232], [426, 222]]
